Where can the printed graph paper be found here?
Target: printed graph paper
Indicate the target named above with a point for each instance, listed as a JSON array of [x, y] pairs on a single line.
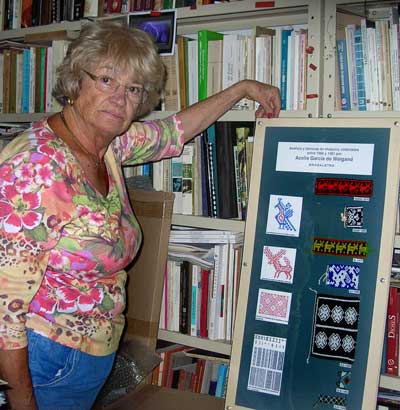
[[266, 366]]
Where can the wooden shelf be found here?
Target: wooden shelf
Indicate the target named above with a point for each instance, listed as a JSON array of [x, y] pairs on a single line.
[[390, 382], [208, 223], [212, 345], [18, 34]]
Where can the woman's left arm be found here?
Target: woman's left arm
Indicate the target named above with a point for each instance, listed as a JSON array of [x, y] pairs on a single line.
[[199, 116]]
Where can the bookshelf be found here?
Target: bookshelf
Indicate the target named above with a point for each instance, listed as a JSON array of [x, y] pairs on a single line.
[[320, 18]]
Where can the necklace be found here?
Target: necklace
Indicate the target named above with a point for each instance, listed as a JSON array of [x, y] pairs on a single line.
[[94, 157]]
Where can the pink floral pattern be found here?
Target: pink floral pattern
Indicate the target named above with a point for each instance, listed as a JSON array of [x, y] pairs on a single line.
[[63, 246]]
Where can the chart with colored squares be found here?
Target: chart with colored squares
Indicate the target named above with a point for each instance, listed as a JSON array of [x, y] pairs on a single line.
[[316, 265]]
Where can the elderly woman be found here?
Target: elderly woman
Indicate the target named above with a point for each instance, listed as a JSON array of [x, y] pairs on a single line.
[[66, 226]]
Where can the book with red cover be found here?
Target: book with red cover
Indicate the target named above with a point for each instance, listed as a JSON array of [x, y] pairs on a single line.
[[204, 302], [114, 6], [26, 16], [392, 333]]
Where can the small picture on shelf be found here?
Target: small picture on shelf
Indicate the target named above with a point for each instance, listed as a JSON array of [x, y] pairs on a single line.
[[161, 25]]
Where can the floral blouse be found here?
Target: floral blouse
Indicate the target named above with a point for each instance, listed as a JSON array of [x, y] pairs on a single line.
[[63, 246]]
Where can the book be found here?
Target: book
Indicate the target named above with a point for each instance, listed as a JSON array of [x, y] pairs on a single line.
[[212, 171], [184, 297], [187, 179], [6, 80], [343, 75], [182, 70], [192, 66], [170, 94], [26, 71], [359, 63], [203, 37], [18, 81], [392, 333], [204, 281], [26, 14], [214, 67], [13, 80], [285, 34], [224, 142], [241, 137], [351, 65]]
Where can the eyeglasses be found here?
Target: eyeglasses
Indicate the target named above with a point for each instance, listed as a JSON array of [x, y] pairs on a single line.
[[110, 85]]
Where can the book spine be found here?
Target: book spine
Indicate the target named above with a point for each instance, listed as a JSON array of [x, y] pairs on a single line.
[[204, 302], [32, 78], [194, 296], [392, 329], [359, 62], [187, 179], [213, 175], [351, 66], [343, 76], [284, 65], [13, 81], [203, 37]]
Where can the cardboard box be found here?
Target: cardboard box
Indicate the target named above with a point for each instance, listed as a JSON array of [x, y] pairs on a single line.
[[146, 276], [158, 398]]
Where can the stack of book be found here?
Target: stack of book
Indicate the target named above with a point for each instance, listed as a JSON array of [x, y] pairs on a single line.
[[195, 370], [27, 76], [212, 61], [201, 283], [368, 63]]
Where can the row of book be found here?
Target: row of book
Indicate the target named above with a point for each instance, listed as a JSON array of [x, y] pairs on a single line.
[[201, 283], [209, 61], [194, 370], [212, 176], [27, 76], [368, 65]]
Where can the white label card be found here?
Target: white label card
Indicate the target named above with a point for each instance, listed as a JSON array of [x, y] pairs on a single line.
[[327, 158]]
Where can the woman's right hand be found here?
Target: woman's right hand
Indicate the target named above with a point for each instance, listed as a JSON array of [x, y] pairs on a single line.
[[14, 369]]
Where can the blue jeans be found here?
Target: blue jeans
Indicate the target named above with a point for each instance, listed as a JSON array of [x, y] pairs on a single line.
[[65, 378]]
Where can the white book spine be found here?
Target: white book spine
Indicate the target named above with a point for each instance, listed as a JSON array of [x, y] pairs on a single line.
[[289, 78], [394, 57], [212, 313], [277, 57], [296, 71], [192, 70], [229, 292], [228, 53], [379, 63], [351, 62], [302, 72], [16, 17], [373, 68]]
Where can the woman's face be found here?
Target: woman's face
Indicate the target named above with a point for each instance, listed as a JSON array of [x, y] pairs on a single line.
[[108, 101]]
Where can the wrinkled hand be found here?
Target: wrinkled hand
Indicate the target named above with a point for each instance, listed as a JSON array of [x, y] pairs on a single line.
[[266, 95]]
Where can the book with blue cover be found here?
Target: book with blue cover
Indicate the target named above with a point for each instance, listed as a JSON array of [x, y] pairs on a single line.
[[343, 75]]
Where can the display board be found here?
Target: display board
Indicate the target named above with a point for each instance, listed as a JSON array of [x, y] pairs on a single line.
[[316, 265]]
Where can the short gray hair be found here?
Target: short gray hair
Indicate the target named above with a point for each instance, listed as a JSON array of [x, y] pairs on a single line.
[[131, 50]]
